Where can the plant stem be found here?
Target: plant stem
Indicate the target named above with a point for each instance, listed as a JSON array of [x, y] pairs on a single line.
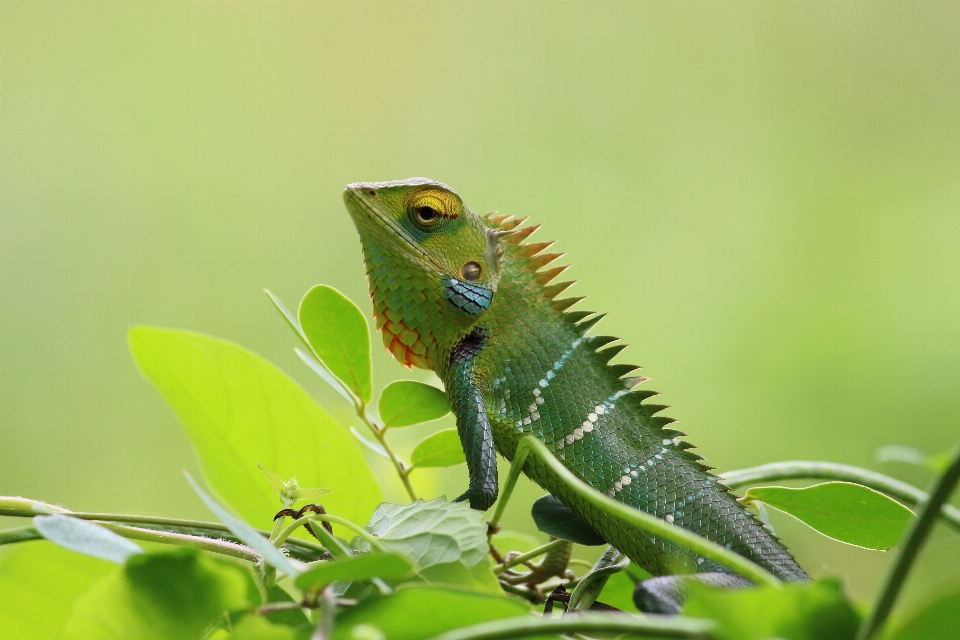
[[325, 517], [640, 519], [182, 540], [615, 623], [913, 542], [403, 471], [25, 508], [529, 555], [803, 469]]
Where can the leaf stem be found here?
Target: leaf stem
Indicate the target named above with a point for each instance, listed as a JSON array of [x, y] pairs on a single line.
[[529, 555], [640, 519], [614, 623], [913, 541], [403, 471], [803, 469]]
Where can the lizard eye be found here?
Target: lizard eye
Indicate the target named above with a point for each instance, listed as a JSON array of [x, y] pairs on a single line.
[[426, 214], [471, 271]]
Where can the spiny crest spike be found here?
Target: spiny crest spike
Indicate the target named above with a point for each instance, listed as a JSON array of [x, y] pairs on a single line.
[[662, 422], [497, 218], [533, 248], [566, 303], [489, 214], [653, 409], [554, 290], [534, 264], [574, 317], [606, 355], [586, 325], [619, 370], [522, 234], [632, 382], [643, 394], [512, 223], [497, 235], [545, 276]]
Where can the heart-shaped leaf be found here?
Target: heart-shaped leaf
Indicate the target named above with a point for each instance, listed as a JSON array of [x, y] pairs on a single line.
[[843, 511], [407, 402], [339, 335], [440, 449]]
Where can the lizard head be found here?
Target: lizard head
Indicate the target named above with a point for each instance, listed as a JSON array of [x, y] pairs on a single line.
[[432, 264]]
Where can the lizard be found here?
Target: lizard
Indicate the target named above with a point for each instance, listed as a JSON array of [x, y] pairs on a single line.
[[471, 298]]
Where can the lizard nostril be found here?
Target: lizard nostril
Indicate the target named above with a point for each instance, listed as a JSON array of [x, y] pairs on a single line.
[[373, 193]]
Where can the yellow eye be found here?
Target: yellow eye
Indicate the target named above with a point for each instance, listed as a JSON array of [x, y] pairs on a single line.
[[428, 206]]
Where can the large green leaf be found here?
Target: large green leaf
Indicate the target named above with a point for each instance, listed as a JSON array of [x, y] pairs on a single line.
[[162, 596], [86, 537], [407, 402], [937, 620], [844, 511], [340, 336], [440, 449], [39, 582], [446, 540], [359, 567], [239, 410], [415, 612], [811, 611]]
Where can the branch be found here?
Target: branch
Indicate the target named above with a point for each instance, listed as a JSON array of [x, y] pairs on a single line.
[[913, 542], [615, 623]]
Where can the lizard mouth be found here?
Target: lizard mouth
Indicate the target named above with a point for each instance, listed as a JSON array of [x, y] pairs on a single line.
[[363, 211]]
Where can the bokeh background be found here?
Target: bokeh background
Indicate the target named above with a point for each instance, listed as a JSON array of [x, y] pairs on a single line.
[[765, 197]]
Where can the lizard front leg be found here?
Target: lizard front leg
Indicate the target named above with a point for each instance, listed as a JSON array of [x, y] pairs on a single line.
[[473, 425]]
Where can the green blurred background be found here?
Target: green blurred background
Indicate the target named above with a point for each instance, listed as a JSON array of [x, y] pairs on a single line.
[[764, 195]]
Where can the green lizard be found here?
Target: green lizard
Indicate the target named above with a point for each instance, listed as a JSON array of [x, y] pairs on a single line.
[[471, 299]]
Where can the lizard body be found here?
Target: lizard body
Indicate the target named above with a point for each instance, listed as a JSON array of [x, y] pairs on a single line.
[[470, 298]]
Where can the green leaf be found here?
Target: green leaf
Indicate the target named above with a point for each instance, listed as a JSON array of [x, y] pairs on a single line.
[[311, 361], [289, 317], [440, 449], [278, 485], [810, 611], [253, 627], [407, 402], [416, 612], [161, 596], [247, 534], [85, 537], [936, 620], [239, 410], [618, 592], [844, 511], [39, 582], [360, 567], [556, 519], [446, 540], [339, 335], [506, 540]]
